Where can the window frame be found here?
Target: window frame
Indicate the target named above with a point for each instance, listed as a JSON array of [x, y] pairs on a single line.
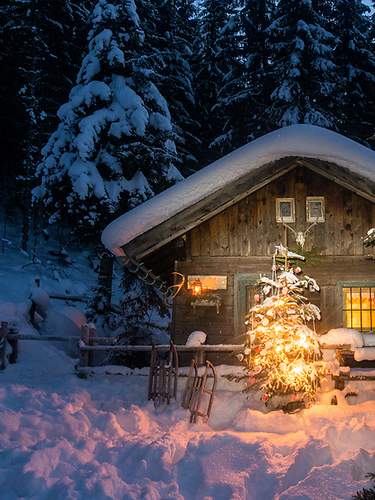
[[289, 219], [309, 217], [357, 284], [190, 278]]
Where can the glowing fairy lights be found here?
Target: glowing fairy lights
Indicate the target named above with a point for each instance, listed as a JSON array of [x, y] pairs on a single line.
[[282, 352]]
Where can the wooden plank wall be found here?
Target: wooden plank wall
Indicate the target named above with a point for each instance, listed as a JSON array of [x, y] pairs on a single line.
[[250, 228], [241, 240], [221, 327]]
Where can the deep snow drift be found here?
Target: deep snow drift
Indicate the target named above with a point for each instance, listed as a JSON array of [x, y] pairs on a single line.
[[65, 437]]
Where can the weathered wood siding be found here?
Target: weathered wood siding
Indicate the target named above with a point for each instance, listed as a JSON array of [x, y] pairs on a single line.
[[250, 228], [240, 241]]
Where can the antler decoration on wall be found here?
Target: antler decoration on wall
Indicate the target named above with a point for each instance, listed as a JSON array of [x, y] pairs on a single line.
[[300, 235]]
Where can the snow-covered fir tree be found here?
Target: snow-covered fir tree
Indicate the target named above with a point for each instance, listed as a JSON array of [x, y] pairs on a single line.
[[114, 146], [172, 43], [355, 59], [304, 73], [29, 105], [246, 87], [207, 68]]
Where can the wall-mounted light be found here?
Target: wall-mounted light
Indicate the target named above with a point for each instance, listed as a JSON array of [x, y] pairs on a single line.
[[196, 288]]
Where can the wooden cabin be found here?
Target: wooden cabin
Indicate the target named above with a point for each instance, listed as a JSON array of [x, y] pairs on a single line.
[[219, 228]]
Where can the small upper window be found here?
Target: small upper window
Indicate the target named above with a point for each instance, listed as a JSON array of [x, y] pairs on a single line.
[[315, 209], [285, 210]]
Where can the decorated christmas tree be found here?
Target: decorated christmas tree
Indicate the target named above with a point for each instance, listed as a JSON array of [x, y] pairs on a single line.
[[282, 350]]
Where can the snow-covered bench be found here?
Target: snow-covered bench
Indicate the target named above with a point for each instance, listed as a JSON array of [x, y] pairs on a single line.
[[360, 345]]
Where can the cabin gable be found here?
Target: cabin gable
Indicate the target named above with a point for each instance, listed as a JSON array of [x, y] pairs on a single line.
[[249, 227]]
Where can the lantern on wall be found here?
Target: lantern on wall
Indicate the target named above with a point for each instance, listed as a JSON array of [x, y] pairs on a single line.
[[196, 288]]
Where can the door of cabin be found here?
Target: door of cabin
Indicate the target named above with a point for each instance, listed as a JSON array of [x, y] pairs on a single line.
[[245, 287]]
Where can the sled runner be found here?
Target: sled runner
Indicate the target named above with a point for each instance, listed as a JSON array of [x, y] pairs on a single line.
[[162, 382], [199, 393]]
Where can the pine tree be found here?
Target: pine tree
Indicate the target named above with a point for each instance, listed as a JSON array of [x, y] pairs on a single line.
[[304, 73], [40, 41], [114, 145], [207, 69], [172, 44], [356, 66], [367, 493], [246, 84]]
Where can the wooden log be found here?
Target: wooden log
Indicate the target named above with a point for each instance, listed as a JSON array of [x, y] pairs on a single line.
[[3, 339]]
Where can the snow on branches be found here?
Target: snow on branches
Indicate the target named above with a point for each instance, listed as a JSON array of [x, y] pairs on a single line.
[[282, 351], [114, 146]]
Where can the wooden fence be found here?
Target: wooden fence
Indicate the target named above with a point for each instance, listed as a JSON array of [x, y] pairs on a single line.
[[88, 343]]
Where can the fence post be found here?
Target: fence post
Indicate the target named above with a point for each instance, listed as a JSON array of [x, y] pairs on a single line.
[[3, 338], [13, 342], [84, 355], [92, 334], [200, 357]]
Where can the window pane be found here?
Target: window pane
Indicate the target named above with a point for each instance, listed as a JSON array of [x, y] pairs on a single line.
[[356, 319], [356, 298], [373, 319], [315, 209], [285, 208], [366, 320], [366, 303], [347, 319], [346, 298], [209, 282]]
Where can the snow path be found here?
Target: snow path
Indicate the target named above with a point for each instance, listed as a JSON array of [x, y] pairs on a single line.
[[68, 438]]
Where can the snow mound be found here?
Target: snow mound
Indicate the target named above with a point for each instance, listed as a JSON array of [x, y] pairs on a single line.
[[65, 437], [196, 338], [40, 297], [348, 336], [64, 322], [364, 354], [295, 141]]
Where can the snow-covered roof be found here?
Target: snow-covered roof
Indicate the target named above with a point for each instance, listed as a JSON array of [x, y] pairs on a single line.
[[298, 141]]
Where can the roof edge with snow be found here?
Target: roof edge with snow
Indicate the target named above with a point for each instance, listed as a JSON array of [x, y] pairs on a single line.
[[215, 187]]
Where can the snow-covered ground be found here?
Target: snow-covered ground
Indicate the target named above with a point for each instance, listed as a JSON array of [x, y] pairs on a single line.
[[63, 437]]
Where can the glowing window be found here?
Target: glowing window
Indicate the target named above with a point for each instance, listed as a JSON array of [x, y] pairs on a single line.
[[285, 210], [315, 210], [359, 308], [209, 282]]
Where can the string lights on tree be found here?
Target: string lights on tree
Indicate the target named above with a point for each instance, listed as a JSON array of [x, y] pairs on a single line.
[[282, 351]]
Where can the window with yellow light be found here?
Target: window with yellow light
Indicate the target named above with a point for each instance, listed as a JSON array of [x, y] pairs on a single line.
[[359, 308]]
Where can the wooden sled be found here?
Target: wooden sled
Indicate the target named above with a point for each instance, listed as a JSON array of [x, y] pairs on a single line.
[[162, 382], [199, 394]]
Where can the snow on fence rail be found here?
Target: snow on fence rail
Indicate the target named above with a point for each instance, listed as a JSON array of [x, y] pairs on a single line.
[[88, 343], [163, 347]]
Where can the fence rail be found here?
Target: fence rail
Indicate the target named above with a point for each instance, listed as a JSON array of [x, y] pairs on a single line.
[[148, 348]]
